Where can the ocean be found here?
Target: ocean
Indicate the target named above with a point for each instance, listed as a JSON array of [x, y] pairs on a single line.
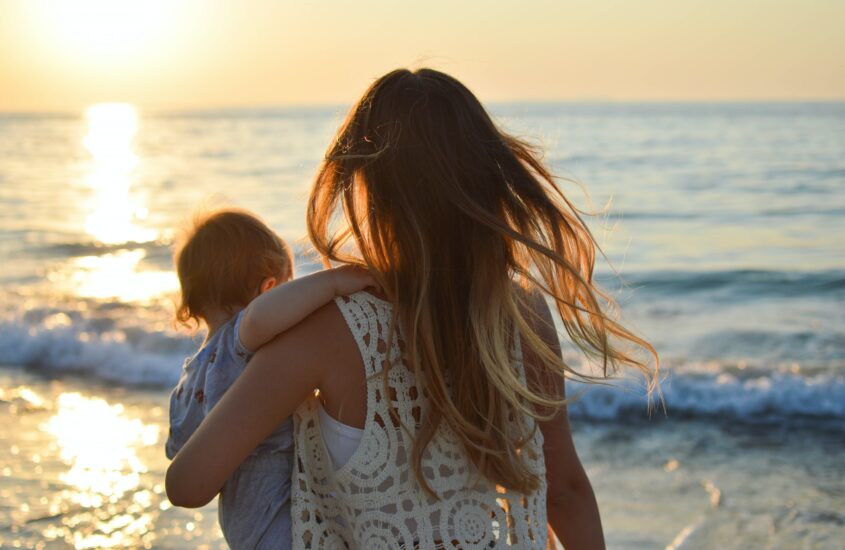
[[723, 227]]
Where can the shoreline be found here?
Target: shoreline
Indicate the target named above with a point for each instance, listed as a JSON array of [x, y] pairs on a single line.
[[85, 468]]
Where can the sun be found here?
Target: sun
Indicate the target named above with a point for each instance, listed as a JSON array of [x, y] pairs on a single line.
[[104, 30]]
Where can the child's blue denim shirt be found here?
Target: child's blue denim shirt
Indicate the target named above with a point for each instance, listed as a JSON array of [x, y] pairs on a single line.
[[254, 504]]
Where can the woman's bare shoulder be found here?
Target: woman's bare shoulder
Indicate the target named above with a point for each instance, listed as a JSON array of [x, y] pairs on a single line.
[[322, 340], [324, 345], [343, 387]]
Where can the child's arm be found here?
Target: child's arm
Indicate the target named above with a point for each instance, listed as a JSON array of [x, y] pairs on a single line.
[[280, 308]]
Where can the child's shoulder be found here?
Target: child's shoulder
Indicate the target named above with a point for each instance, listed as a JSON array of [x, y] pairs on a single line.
[[221, 349], [208, 373], [229, 344], [224, 360]]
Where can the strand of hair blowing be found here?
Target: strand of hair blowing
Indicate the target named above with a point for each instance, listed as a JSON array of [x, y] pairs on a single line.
[[449, 211]]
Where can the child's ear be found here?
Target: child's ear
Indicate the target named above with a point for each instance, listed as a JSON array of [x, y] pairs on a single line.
[[268, 283]]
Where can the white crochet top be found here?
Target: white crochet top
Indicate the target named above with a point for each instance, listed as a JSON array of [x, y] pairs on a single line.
[[374, 501]]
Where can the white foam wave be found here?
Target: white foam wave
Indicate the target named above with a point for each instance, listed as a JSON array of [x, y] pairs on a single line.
[[714, 391], [66, 350], [762, 397]]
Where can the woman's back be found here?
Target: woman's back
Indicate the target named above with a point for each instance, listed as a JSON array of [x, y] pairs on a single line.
[[374, 500], [464, 229]]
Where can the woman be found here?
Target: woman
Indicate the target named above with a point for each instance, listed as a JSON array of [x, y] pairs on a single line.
[[440, 417]]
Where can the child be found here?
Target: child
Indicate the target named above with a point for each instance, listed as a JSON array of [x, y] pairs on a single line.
[[234, 274]]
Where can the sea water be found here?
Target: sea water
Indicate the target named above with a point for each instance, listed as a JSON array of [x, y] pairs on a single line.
[[724, 231]]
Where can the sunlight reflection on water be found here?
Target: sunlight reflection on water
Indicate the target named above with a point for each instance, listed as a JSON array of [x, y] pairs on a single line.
[[115, 275], [114, 215], [111, 131], [86, 470], [98, 443]]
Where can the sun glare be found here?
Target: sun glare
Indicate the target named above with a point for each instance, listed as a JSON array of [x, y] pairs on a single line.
[[103, 30]]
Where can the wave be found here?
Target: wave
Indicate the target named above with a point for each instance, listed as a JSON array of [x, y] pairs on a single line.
[[126, 358], [688, 215], [725, 394], [718, 391], [157, 253], [71, 249], [737, 283], [778, 345]]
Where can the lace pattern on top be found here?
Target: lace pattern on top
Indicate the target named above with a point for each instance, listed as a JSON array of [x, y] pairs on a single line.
[[374, 502]]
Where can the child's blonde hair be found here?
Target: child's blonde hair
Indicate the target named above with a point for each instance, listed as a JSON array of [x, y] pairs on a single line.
[[222, 261]]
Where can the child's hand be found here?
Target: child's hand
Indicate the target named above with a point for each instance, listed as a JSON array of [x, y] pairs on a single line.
[[349, 279]]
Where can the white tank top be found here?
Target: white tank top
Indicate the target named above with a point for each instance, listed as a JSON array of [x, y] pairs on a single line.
[[368, 497], [341, 440]]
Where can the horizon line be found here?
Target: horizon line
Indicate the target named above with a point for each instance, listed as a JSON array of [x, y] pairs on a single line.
[[305, 106]]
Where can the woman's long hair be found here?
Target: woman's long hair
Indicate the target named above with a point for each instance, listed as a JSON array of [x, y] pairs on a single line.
[[449, 211]]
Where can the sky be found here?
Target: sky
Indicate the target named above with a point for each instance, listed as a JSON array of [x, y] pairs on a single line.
[[198, 54]]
